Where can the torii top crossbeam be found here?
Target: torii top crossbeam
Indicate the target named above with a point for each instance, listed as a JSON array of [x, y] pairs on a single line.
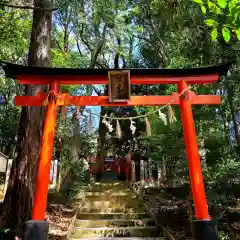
[[34, 75]]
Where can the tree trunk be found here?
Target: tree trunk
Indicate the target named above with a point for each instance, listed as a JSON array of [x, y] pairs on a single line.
[[150, 168], [229, 55], [65, 38], [98, 48], [130, 54], [101, 144], [66, 32], [17, 206], [76, 135], [233, 115], [101, 141], [159, 174], [68, 178], [225, 126], [142, 179], [117, 56]]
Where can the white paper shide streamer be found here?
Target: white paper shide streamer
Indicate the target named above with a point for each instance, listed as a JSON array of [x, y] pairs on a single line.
[[132, 126], [108, 125], [162, 116], [171, 118]]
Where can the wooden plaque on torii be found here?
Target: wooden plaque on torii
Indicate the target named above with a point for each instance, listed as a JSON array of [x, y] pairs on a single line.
[[119, 89]]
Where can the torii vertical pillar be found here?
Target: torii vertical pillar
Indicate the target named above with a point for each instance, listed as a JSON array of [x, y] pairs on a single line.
[[203, 226], [40, 197], [37, 228]]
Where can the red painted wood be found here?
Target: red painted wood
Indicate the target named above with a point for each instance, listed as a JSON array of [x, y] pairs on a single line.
[[135, 79], [194, 165], [43, 175], [40, 197], [30, 100], [104, 100]]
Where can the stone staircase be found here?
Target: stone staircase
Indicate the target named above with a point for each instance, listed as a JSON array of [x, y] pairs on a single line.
[[111, 212]]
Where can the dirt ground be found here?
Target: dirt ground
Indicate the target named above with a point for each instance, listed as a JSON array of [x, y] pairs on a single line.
[[175, 213], [59, 215]]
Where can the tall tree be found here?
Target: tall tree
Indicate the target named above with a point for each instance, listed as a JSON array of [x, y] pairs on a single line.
[[17, 205]]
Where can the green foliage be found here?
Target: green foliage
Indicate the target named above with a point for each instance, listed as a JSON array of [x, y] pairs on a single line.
[[220, 179], [75, 172], [226, 34], [214, 8], [226, 14], [5, 230], [211, 23], [238, 33], [80, 178], [224, 236], [214, 34], [222, 3], [9, 114], [198, 1], [204, 9], [15, 29]]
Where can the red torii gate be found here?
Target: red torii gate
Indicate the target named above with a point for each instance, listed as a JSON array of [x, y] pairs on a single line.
[[54, 77]]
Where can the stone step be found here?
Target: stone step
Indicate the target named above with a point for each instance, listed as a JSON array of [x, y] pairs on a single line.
[[113, 203], [114, 223], [110, 184], [99, 215], [79, 232], [106, 197], [108, 190], [111, 210], [120, 238], [109, 194]]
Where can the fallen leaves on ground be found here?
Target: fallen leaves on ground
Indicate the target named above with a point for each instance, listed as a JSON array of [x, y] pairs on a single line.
[[59, 217]]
